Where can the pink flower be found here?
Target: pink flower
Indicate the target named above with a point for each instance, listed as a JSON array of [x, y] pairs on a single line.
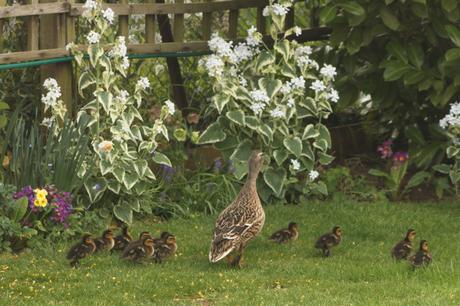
[[385, 149]]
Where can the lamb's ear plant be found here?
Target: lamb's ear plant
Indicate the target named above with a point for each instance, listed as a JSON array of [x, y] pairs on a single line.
[[275, 99], [451, 124], [122, 144]]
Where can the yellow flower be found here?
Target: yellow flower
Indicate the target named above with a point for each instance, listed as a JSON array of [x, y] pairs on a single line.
[[40, 203], [41, 193], [40, 196]]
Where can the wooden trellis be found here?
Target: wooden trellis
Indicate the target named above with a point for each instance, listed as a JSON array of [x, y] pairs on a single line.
[[50, 25]]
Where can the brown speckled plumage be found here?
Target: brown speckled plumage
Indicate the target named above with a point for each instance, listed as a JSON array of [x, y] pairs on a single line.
[[242, 220], [329, 240], [81, 250], [286, 234], [122, 240], [423, 257], [165, 247], [105, 242], [139, 250], [402, 249]]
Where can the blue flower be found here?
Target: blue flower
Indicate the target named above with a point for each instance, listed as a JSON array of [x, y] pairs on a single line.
[[97, 187]]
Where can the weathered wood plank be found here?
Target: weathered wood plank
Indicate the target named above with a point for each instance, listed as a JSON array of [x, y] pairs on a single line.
[[64, 70], [175, 8], [179, 25], [33, 26], [123, 22], [233, 24], [24, 56], [70, 27], [260, 21], [34, 9], [206, 23], [2, 3], [289, 20], [150, 26]]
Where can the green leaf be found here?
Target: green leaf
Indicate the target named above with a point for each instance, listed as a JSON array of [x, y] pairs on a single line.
[[454, 176], [452, 151], [324, 134], [284, 49], [389, 19], [454, 34], [308, 152], [95, 52], [310, 132], [379, 173], [119, 174], [19, 209], [320, 187], [442, 168], [252, 122], [220, 100], [267, 131], [395, 70], [95, 187], [105, 166], [275, 179], [105, 99], [325, 159], [271, 86], [294, 145], [3, 121], [161, 159], [236, 116], [241, 168], [413, 77], [449, 5], [394, 48], [123, 213], [280, 156], [288, 70], [130, 180], [452, 54], [134, 204], [265, 58], [4, 106], [28, 232], [328, 14], [353, 8], [212, 134], [242, 151], [417, 179], [141, 167], [321, 144], [114, 186], [416, 55], [84, 81]]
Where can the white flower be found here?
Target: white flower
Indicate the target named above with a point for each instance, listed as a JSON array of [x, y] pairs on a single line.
[[123, 96], [286, 88], [105, 146], [241, 53], [93, 37], [297, 31], [90, 5], [143, 83], [125, 62], [452, 119], [120, 49], [260, 95], [257, 107], [220, 46], [279, 9], [254, 38], [328, 72], [295, 164], [333, 95], [313, 175], [50, 84], [171, 107], [109, 15], [48, 122], [69, 46], [214, 65], [277, 113], [443, 123], [304, 50], [298, 83], [266, 11], [318, 86], [243, 81], [53, 94], [455, 108], [291, 102]]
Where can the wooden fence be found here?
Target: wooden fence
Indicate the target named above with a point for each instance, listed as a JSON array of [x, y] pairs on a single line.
[[50, 25]]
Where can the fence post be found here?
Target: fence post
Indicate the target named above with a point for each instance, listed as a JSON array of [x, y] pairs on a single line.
[[175, 75], [123, 26], [206, 24], [2, 3], [150, 26]]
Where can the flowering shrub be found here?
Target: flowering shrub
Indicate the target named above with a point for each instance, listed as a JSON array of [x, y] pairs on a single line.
[[274, 99], [397, 164], [122, 144], [451, 124]]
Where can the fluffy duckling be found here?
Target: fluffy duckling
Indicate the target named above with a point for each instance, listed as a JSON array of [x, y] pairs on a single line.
[[81, 250], [403, 248], [165, 246], [140, 250], [105, 242], [423, 257], [286, 234], [329, 240], [122, 240]]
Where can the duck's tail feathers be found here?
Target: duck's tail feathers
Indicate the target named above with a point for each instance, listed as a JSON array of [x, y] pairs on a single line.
[[220, 248]]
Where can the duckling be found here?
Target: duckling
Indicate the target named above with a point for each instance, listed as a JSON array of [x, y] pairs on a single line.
[[121, 241], [165, 246], [423, 257], [241, 221], [329, 240], [105, 242], [403, 248], [138, 242], [81, 250], [286, 234], [140, 250]]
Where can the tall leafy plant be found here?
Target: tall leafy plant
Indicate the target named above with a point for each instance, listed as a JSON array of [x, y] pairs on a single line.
[[274, 98]]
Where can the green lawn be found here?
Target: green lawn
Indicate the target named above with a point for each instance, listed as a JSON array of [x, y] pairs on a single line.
[[360, 271]]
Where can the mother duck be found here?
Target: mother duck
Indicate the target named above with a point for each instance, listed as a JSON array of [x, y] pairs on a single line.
[[241, 221]]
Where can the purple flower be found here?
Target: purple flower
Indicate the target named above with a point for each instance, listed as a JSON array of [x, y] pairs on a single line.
[[28, 192], [400, 157], [217, 165], [167, 172], [385, 149]]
